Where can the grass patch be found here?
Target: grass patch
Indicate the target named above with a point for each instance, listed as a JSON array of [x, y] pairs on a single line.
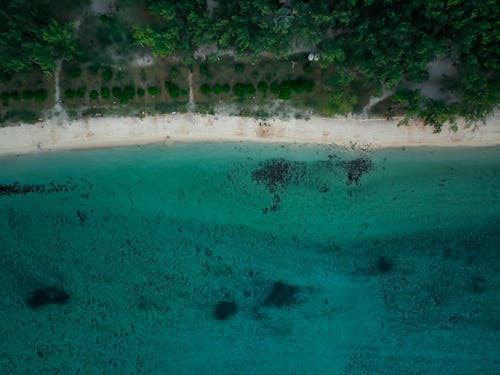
[[19, 116]]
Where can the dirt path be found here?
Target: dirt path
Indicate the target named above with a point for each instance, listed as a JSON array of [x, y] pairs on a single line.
[[58, 109], [57, 89], [211, 4], [191, 95], [376, 99], [99, 7]]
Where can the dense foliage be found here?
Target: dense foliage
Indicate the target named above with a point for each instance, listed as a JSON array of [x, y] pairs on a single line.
[[385, 42], [31, 34]]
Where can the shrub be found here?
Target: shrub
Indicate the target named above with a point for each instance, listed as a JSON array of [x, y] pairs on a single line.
[[285, 92], [140, 92], [340, 80], [242, 89], [226, 88], [15, 95], [107, 74], [5, 77], [80, 93], [40, 95], [4, 96], [27, 94], [123, 94], [275, 88], [117, 92], [94, 69], [184, 92], [174, 72], [204, 70], [152, 90], [262, 88], [255, 75], [436, 113], [128, 94], [173, 90], [75, 71], [68, 94], [105, 92], [308, 68], [239, 89], [216, 89], [239, 68], [341, 103], [93, 95], [249, 89], [205, 89], [301, 85], [20, 116], [281, 89], [121, 75]]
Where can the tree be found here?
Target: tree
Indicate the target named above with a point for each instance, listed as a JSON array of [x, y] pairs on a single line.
[[262, 87], [205, 89], [152, 90], [161, 43], [184, 26], [216, 89], [29, 34], [173, 90]]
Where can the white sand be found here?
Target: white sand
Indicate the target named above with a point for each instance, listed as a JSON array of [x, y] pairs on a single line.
[[108, 131]]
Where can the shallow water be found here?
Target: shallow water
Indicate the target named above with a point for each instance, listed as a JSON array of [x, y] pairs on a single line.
[[333, 261]]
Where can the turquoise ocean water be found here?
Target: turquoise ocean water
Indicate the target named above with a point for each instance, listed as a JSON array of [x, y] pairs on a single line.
[[250, 259]]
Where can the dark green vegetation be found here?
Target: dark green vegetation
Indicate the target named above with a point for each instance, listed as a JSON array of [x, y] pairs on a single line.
[[36, 34], [363, 46]]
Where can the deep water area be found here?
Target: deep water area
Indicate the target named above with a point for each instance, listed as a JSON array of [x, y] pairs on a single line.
[[236, 258]]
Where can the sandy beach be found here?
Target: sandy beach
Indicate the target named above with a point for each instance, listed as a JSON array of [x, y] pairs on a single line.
[[54, 134]]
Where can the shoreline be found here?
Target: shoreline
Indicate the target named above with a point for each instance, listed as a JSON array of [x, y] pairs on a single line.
[[56, 135]]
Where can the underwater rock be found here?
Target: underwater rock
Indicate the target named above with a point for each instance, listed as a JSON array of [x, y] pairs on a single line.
[[356, 168], [82, 217], [281, 295], [16, 188], [46, 296], [384, 264], [273, 173], [277, 173], [224, 310]]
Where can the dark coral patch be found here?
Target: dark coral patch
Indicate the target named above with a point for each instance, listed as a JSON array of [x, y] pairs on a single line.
[[281, 295], [46, 296], [224, 310], [356, 168], [273, 173], [384, 264], [278, 173]]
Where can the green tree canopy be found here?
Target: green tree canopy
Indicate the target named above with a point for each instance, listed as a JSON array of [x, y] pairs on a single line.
[[30, 35]]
